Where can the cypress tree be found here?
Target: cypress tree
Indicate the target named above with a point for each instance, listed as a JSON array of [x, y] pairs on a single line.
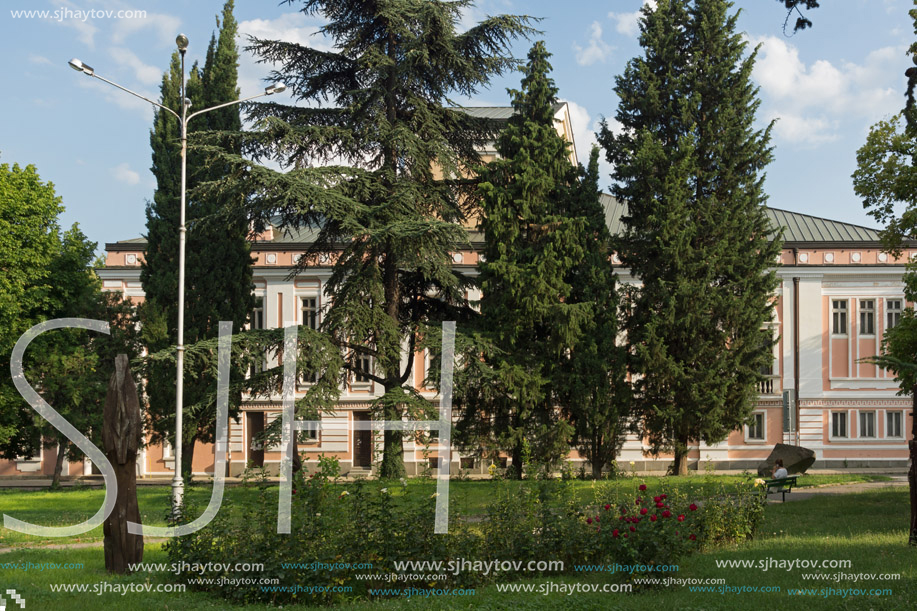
[[218, 275], [377, 104], [688, 164], [591, 380], [531, 246]]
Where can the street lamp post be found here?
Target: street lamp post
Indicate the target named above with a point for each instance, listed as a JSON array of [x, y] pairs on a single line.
[[182, 42]]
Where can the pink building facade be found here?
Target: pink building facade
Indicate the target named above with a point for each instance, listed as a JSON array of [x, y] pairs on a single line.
[[837, 295]]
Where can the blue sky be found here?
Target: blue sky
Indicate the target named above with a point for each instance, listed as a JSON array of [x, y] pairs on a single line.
[[826, 86]]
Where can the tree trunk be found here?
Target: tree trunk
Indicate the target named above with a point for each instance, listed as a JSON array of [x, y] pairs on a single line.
[[680, 466], [595, 459], [121, 437], [912, 485], [187, 458], [59, 464], [392, 466], [517, 460], [912, 472]]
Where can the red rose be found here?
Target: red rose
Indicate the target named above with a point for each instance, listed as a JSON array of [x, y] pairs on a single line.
[[692, 507], [662, 496], [666, 514], [615, 533], [588, 520], [681, 518], [596, 518], [659, 504], [642, 486], [623, 510], [633, 529], [643, 511], [692, 537], [638, 501], [653, 518], [621, 518], [607, 507], [676, 532], [625, 535], [656, 499]]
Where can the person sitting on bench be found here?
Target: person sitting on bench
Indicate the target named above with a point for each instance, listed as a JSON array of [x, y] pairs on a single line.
[[779, 471]]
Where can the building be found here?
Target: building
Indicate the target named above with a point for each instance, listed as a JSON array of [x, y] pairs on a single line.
[[837, 295]]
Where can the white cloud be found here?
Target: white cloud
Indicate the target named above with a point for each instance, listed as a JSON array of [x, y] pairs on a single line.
[[124, 173], [85, 30], [584, 130], [146, 74], [119, 98], [40, 60], [290, 27], [629, 23], [807, 132], [166, 26], [814, 100], [596, 51]]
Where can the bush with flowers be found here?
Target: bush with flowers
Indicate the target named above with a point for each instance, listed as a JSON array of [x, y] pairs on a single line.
[[365, 524], [644, 528]]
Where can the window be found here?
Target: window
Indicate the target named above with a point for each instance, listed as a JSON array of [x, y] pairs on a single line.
[[257, 322], [839, 424], [756, 428], [893, 424], [308, 435], [867, 424], [867, 317], [466, 462], [434, 462], [166, 450], [839, 311], [364, 364], [893, 309], [258, 315], [309, 308]]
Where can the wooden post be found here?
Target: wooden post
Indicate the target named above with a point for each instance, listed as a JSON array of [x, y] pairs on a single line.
[[121, 436]]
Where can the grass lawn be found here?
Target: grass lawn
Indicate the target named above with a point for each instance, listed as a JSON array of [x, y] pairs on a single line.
[[467, 498], [868, 529]]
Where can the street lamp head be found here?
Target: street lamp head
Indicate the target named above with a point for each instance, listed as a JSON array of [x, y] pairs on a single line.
[[187, 103], [182, 41], [275, 88], [80, 66]]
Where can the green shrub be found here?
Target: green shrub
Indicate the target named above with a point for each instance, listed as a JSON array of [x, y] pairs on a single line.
[[363, 523]]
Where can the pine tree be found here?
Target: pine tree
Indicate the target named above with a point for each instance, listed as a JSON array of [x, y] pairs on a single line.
[[591, 380], [688, 164], [378, 104], [531, 246], [218, 274]]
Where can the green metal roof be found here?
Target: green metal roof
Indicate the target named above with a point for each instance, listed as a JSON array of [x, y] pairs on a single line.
[[797, 227], [497, 113]]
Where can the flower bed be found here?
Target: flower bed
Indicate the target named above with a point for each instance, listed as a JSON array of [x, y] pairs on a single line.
[[362, 531]]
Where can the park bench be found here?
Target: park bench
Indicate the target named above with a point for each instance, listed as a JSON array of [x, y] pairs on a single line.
[[781, 485]]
